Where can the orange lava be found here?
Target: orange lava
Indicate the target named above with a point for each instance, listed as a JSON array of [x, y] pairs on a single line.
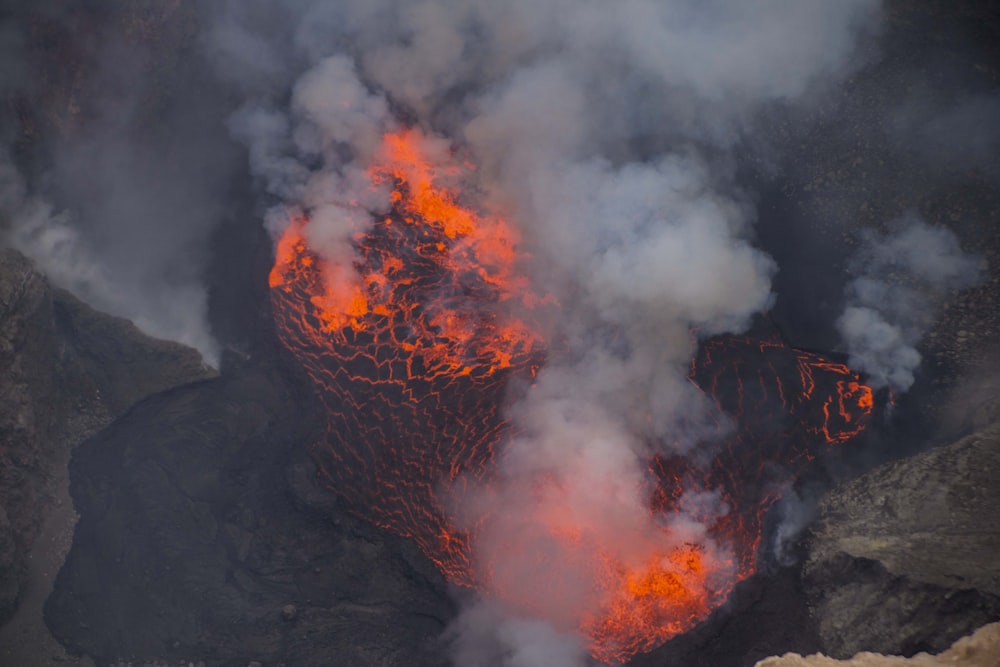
[[411, 345], [789, 404], [647, 605]]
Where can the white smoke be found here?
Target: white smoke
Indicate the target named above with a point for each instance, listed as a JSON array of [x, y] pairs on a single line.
[[172, 310], [136, 174], [484, 635], [901, 278], [604, 131]]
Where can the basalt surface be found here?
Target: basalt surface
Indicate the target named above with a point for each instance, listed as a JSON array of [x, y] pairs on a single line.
[[203, 535]]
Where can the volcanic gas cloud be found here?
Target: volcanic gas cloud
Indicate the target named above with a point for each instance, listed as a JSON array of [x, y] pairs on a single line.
[[514, 255], [434, 359]]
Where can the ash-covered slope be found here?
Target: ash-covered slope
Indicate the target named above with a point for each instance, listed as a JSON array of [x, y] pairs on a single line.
[[905, 558], [201, 535]]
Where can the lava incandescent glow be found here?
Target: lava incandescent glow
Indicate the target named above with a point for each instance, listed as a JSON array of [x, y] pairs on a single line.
[[411, 346]]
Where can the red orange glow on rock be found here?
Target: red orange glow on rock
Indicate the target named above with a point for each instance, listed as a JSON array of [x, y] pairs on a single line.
[[411, 346]]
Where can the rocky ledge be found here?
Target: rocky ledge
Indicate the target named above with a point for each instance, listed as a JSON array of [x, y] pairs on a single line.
[[981, 649], [905, 558], [66, 370]]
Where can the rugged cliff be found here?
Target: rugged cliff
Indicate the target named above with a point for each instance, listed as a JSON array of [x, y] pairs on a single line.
[[904, 559], [204, 538]]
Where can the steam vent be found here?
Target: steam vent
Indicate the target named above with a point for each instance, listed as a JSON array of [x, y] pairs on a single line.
[[457, 333]]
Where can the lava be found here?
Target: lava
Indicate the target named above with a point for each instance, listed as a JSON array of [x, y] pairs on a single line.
[[788, 405], [411, 346], [665, 596]]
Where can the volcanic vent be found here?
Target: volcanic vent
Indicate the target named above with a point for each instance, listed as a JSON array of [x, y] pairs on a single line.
[[412, 343], [409, 348]]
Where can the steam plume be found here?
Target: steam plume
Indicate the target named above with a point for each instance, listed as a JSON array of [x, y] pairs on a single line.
[[900, 277], [137, 173], [603, 132]]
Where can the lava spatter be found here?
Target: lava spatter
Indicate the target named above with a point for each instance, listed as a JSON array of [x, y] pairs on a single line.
[[411, 346]]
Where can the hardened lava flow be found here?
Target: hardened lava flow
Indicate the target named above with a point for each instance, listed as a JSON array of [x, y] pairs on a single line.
[[412, 346]]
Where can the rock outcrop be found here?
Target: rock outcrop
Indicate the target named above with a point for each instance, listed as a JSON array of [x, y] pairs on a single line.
[[905, 558], [981, 649], [65, 371]]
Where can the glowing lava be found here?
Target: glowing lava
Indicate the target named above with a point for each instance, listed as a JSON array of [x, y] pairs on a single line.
[[411, 345], [788, 405], [665, 596]]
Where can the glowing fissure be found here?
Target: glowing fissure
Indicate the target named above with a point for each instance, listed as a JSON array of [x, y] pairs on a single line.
[[411, 348]]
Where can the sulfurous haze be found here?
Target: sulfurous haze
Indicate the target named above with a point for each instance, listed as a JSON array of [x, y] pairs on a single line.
[[607, 133], [955, 131]]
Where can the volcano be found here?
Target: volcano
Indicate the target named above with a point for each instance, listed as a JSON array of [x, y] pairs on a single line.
[[412, 346], [527, 316]]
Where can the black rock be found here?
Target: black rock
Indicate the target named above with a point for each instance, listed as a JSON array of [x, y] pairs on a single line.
[[907, 558], [193, 541]]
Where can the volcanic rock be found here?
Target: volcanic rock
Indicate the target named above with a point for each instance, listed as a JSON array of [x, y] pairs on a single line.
[[65, 371], [905, 558], [982, 649], [766, 614], [200, 529]]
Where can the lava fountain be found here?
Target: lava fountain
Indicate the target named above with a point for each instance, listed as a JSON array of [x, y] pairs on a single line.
[[411, 346]]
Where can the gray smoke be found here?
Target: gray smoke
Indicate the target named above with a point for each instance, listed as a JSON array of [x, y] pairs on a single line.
[[484, 635], [123, 276], [137, 163], [901, 278], [604, 132]]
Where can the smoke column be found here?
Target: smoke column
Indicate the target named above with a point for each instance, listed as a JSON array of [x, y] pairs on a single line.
[[901, 277], [605, 133], [129, 168], [608, 134]]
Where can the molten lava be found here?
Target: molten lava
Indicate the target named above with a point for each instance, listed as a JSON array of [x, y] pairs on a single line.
[[411, 345], [788, 404]]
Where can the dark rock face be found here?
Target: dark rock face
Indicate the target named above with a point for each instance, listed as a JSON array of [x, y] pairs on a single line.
[[907, 557], [201, 534], [766, 614], [65, 371]]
